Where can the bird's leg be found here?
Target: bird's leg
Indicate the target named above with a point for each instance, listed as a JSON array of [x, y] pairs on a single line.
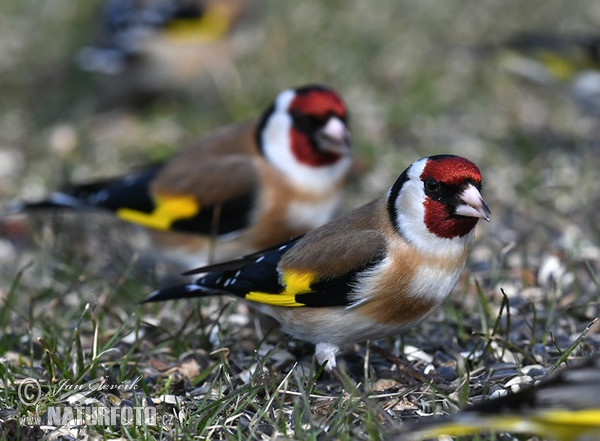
[[326, 353]]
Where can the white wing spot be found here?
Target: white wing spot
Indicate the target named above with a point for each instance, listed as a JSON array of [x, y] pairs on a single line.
[[98, 197], [65, 199], [130, 180], [229, 281], [191, 287]]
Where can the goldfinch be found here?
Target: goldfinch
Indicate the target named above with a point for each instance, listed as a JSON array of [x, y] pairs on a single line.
[[242, 188], [554, 57], [370, 273], [564, 407], [569, 60], [158, 45]]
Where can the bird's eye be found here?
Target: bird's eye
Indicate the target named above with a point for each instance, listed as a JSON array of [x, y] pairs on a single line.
[[432, 186], [305, 123]]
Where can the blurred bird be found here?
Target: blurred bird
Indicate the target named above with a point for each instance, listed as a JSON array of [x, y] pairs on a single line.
[[570, 60], [246, 186], [564, 407], [376, 271], [151, 46]]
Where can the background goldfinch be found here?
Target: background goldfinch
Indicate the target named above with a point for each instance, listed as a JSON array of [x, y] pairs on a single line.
[[152, 46], [569, 60], [368, 274], [563, 407], [246, 186]]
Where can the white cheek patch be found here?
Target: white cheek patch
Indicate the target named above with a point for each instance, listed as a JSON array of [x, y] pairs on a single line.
[[275, 135], [410, 209]]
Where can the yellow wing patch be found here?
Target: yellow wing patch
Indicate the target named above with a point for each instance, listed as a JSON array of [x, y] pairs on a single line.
[[556, 424], [168, 209], [295, 283], [585, 417], [211, 26], [559, 67]]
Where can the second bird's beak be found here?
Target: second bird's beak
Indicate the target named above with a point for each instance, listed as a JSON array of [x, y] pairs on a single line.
[[473, 204], [334, 137]]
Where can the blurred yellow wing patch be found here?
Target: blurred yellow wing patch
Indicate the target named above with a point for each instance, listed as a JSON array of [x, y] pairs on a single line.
[[295, 283], [585, 417], [169, 209], [556, 424], [561, 68], [212, 25]]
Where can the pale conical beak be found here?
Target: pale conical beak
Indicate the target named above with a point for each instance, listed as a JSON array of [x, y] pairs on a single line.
[[334, 137], [473, 204]]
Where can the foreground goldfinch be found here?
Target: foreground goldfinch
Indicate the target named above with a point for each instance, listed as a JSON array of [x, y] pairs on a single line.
[[371, 273], [242, 188], [156, 45], [569, 60], [563, 407]]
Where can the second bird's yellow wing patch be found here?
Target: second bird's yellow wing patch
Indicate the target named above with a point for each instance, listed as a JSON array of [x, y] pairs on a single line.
[[294, 283], [169, 209], [212, 25]]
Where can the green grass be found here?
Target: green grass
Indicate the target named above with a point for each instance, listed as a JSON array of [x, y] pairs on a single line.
[[70, 285]]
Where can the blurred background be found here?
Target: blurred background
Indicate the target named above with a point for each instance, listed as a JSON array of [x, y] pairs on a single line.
[[420, 77]]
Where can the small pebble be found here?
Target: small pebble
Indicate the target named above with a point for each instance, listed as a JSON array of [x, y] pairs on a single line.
[[498, 393]]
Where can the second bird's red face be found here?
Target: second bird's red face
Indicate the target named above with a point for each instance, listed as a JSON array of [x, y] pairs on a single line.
[[319, 135]]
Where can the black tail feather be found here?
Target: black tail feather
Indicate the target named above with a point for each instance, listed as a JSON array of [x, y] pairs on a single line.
[[183, 291], [55, 201], [123, 192], [243, 261]]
